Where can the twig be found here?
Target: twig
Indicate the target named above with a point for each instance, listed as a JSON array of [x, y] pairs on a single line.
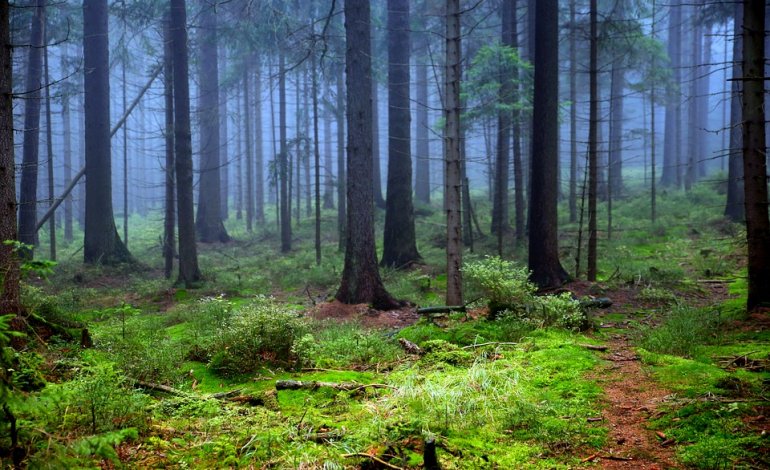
[[372, 457]]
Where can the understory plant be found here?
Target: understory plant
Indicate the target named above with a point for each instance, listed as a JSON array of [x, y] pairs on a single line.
[[510, 294]]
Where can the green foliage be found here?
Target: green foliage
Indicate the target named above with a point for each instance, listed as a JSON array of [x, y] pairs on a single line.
[[656, 295], [335, 345], [258, 332], [492, 64], [683, 330], [103, 400], [511, 295], [499, 281]]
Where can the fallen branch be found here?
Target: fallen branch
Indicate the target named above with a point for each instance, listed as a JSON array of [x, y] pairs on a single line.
[[161, 388], [441, 309], [372, 457], [593, 347], [314, 385], [491, 343]]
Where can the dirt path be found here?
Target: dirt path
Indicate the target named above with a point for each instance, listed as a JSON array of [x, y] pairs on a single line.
[[632, 398]]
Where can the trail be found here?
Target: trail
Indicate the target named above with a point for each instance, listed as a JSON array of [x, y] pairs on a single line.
[[632, 397]]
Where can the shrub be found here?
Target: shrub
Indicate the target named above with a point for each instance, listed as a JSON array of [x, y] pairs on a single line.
[[683, 330], [256, 333], [500, 282], [345, 345]]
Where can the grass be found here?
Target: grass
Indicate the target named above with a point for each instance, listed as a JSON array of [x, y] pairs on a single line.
[[521, 405]]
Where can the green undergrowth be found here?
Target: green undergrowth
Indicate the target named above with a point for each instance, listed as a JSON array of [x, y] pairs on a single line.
[[717, 398]]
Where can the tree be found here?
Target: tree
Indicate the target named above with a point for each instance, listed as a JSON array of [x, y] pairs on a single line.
[[592, 144], [209, 226], [102, 244], [189, 274], [422, 144], [754, 153], [543, 224], [452, 158], [361, 282], [283, 158], [10, 292], [500, 224], [735, 195], [169, 217], [399, 244], [672, 131], [31, 143]]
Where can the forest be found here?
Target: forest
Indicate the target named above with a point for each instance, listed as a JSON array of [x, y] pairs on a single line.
[[384, 234]]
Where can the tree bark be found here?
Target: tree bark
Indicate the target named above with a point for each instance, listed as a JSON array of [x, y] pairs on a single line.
[[572, 113], [452, 159], [249, 175], [672, 131], [31, 143], [49, 153], [500, 219], [341, 177], [399, 242], [102, 244], [422, 127], [67, 155], [543, 223], [361, 282], [10, 292], [209, 226], [754, 153], [592, 143], [735, 195], [259, 155], [169, 220], [283, 158], [189, 273]]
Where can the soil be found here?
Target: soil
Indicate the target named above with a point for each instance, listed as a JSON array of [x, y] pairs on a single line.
[[632, 397], [365, 315]]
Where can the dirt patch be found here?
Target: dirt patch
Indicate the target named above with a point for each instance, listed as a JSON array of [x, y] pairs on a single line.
[[364, 314], [632, 397]]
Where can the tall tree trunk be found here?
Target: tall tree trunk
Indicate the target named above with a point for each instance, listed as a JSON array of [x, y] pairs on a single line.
[[572, 113], [593, 126], [327, 167], [316, 155], [124, 103], [399, 243], [209, 224], [283, 158], [694, 151], [422, 128], [306, 142], [672, 131], [500, 221], [224, 141], [67, 155], [543, 223], [735, 195], [10, 291], [259, 156], [341, 177], [379, 201], [169, 220], [615, 155], [361, 282], [102, 244], [701, 127], [31, 143], [249, 175], [49, 154], [189, 273], [518, 169], [754, 153], [452, 175], [239, 158]]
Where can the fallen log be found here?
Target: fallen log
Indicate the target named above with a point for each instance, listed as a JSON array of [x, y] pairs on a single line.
[[593, 347], [314, 385], [441, 309], [599, 302]]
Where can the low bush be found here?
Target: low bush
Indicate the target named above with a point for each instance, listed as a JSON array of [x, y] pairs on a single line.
[[683, 330], [256, 333]]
